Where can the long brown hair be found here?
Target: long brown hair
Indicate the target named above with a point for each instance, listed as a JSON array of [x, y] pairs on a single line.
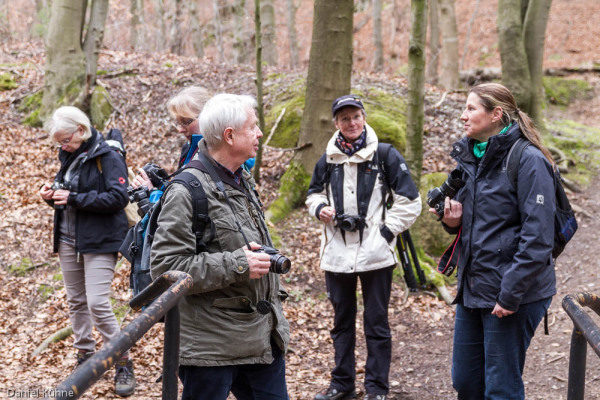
[[494, 95]]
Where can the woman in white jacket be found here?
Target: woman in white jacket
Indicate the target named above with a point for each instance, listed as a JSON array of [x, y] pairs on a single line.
[[349, 193]]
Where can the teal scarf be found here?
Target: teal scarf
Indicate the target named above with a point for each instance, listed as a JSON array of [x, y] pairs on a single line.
[[479, 147]]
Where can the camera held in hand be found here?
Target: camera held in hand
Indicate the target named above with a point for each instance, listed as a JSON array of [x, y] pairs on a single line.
[[348, 223], [58, 186], [140, 196], [280, 264], [156, 174], [436, 197]]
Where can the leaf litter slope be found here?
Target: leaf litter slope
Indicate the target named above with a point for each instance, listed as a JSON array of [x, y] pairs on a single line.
[[33, 304]]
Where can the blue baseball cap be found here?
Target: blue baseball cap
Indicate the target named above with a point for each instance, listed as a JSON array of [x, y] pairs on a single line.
[[344, 101]]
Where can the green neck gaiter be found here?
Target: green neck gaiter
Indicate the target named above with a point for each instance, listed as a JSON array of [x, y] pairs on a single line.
[[479, 147]]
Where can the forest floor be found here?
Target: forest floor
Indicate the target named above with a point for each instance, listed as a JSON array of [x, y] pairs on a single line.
[[32, 297]]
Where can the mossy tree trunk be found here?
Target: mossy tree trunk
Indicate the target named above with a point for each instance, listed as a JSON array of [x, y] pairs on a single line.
[[259, 87], [515, 68], [416, 88], [267, 17], [94, 38], [134, 23], [196, 32], [377, 35], [65, 74], [329, 72], [176, 33], [449, 70], [536, 20], [290, 13], [434, 42], [521, 34], [240, 45]]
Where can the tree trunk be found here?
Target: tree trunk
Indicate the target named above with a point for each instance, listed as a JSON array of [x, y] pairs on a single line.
[[534, 35], [449, 74], [240, 53], [468, 36], [377, 35], [161, 16], [218, 28], [515, 68], [196, 31], [434, 42], [176, 33], [93, 39], [329, 72], [416, 89], [269, 36], [292, 34], [135, 23], [259, 87], [64, 79]]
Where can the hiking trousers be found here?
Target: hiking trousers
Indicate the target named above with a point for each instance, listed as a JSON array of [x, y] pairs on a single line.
[[488, 355], [87, 279], [376, 289]]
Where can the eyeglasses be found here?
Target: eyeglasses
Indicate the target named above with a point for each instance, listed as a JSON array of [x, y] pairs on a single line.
[[64, 142], [184, 122]]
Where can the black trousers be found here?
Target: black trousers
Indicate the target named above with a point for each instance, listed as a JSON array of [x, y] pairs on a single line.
[[341, 290]]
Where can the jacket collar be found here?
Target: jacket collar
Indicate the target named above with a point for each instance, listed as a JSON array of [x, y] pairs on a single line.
[[497, 148], [335, 155]]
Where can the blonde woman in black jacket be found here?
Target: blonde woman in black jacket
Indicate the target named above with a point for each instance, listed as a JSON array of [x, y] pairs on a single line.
[[89, 194]]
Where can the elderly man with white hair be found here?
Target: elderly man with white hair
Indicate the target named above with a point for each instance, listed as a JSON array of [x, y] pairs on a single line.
[[233, 332]]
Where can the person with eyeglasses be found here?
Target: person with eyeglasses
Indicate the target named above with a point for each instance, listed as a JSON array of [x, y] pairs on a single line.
[[184, 107], [89, 196]]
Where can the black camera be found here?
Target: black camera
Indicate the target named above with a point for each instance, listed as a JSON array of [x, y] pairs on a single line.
[[140, 195], [58, 186], [436, 197], [156, 174], [280, 264], [348, 223]]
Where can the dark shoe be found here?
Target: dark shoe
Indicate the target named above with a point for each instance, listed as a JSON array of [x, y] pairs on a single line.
[[83, 356], [334, 394], [375, 396], [124, 378]]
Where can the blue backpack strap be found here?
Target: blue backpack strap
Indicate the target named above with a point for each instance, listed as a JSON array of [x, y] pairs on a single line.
[[513, 159]]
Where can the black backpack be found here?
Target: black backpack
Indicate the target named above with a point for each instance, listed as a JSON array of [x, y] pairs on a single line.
[[565, 223], [138, 243]]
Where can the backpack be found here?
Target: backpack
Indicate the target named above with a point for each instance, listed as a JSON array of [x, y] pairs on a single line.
[[565, 223], [114, 138], [138, 242], [404, 243]]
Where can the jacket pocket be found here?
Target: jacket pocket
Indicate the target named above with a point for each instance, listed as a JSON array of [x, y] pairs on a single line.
[[239, 304], [228, 234]]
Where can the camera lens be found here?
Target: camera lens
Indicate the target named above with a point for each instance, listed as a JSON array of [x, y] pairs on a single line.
[[280, 264]]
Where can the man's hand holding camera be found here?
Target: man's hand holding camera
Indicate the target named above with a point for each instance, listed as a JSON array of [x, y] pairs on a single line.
[[258, 262]]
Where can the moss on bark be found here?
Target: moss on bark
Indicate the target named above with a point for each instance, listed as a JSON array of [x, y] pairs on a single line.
[[292, 193], [100, 107]]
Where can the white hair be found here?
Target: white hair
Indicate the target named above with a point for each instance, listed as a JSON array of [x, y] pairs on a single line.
[[68, 119], [221, 112]]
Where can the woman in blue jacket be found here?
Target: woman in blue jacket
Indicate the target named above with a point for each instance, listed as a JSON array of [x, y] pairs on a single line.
[[89, 195], [505, 275]]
